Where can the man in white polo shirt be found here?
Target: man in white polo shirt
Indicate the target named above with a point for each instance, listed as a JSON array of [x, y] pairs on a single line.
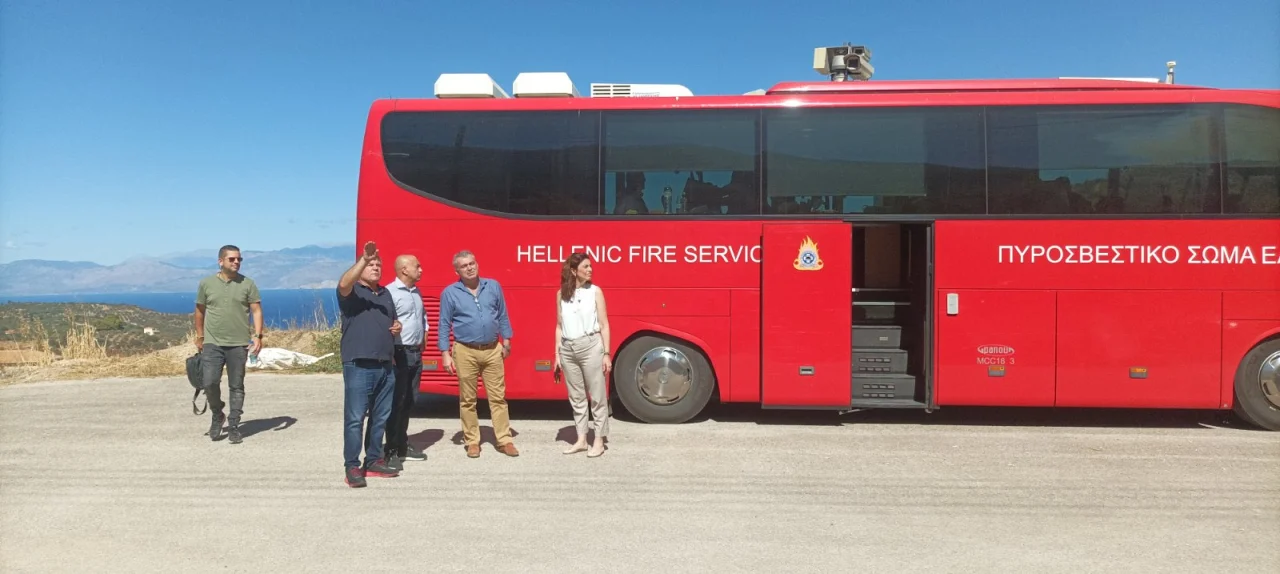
[[408, 359]]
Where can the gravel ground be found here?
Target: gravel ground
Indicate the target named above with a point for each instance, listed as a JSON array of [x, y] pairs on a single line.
[[115, 476]]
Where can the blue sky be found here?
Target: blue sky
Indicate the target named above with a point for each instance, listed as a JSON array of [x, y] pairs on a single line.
[[134, 128]]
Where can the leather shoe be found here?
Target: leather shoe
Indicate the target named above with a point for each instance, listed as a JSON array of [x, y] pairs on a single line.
[[508, 449], [473, 451]]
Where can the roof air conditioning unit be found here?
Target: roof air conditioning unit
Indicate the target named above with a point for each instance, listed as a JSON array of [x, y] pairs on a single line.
[[544, 85], [639, 91], [468, 86]]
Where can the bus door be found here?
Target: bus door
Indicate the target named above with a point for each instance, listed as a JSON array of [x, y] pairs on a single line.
[[806, 315]]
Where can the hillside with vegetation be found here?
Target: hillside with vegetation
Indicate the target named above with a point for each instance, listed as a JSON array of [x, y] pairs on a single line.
[[47, 341], [120, 329]]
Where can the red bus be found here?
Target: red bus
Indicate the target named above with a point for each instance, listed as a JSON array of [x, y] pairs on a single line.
[[848, 245]]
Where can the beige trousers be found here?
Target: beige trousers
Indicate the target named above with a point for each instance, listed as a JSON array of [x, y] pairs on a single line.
[[582, 361], [473, 363]]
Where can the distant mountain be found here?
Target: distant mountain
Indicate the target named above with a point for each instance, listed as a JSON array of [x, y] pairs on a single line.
[[309, 267]]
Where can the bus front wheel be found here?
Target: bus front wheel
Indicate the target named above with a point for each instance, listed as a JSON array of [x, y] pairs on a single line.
[[662, 381], [1257, 387]]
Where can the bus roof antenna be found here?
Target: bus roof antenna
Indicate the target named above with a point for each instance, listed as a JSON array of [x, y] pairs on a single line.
[[1168, 79], [843, 63]]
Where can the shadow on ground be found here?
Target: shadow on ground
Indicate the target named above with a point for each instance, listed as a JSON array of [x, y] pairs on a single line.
[[446, 407], [255, 426]]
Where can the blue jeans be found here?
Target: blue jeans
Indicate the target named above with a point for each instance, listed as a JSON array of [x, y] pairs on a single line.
[[368, 388]]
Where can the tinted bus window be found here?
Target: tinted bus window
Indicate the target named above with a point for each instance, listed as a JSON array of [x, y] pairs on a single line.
[[863, 160], [680, 162], [1253, 160], [527, 163], [1102, 160]]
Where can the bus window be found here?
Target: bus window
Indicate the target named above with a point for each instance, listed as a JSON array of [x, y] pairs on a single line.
[[860, 160], [1102, 159], [694, 162], [525, 163], [1253, 160]]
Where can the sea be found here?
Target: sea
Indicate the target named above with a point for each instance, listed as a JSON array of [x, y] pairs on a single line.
[[281, 308]]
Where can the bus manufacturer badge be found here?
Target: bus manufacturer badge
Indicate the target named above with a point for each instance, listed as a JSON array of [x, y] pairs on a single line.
[[808, 259]]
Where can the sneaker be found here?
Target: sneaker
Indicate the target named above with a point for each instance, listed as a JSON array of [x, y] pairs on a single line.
[[415, 454], [395, 463], [355, 478], [379, 469], [215, 427], [234, 436]]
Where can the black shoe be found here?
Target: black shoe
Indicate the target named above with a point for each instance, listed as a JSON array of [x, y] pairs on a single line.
[[234, 436], [215, 427], [415, 454], [395, 463], [355, 478], [379, 469]]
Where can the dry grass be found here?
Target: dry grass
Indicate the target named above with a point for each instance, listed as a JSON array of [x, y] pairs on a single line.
[[81, 342], [81, 356], [32, 346], [87, 363]]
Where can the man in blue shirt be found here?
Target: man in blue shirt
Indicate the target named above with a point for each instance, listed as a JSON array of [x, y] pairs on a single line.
[[369, 327], [408, 359], [474, 310]]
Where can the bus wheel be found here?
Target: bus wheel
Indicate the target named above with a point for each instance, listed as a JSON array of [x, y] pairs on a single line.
[[662, 381], [1258, 386]]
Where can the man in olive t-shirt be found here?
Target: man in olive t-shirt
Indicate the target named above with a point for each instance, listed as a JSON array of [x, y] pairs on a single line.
[[223, 303]]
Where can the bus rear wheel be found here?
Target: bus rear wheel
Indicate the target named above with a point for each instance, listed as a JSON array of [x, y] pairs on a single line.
[[1257, 387], [662, 381]]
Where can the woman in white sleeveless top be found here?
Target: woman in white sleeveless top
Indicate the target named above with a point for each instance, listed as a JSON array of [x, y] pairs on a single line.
[[582, 351]]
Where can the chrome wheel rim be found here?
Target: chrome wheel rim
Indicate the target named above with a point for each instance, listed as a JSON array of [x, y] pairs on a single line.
[[1269, 379], [664, 376]]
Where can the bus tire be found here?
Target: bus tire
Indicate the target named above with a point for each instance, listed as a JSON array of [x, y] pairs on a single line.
[[662, 381], [1257, 387]]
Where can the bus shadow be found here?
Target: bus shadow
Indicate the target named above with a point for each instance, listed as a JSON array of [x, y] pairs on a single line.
[[446, 407], [992, 416]]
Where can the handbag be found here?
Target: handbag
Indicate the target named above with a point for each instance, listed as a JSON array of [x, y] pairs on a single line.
[[195, 376]]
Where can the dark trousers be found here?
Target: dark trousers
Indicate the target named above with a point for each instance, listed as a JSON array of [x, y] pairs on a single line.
[[212, 359], [367, 395], [408, 371]]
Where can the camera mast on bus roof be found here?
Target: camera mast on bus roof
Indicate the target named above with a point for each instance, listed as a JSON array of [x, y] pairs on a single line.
[[843, 63]]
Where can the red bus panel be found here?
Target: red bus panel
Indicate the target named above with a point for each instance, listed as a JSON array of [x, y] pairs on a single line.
[[745, 341], [1241, 255], [807, 314], [1139, 348], [1251, 305], [997, 348]]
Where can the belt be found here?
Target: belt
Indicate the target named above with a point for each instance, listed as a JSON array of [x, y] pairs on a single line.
[[410, 347], [478, 346]]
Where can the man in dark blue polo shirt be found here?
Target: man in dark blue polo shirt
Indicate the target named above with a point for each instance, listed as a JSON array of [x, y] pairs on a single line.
[[369, 327], [475, 310]]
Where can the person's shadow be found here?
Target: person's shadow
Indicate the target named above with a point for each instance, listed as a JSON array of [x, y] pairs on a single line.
[[569, 434], [253, 427], [486, 435], [425, 439]]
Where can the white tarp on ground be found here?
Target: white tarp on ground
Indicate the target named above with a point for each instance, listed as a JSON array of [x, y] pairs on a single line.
[[280, 359]]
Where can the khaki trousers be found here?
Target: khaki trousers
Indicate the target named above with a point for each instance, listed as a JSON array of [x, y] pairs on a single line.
[[582, 361], [472, 363]]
